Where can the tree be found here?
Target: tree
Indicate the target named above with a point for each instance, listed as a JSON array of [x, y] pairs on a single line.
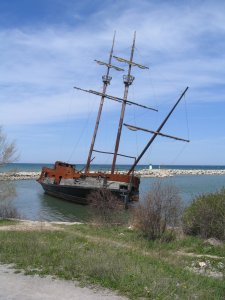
[[8, 151]]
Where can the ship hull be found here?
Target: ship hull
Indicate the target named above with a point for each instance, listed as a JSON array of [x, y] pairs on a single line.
[[72, 193], [69, 193], [65, 182]]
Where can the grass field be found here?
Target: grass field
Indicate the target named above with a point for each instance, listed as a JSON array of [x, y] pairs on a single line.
[[117, 258]]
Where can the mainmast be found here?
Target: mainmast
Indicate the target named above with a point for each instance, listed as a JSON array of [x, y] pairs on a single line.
[[128, 80], [106, 81]]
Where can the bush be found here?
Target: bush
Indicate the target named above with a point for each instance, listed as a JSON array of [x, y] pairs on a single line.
[[206, 216], [160, 210], [7, 193], [106, 208], [8, 212]]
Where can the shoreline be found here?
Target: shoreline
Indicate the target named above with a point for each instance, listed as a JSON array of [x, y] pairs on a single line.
[[144, 173]]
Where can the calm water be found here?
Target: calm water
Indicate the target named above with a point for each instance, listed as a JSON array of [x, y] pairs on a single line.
[[20, 167], [33, 204]]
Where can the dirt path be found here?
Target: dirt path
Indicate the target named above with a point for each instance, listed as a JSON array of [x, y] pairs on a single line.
[[24, 287], [28, 225]]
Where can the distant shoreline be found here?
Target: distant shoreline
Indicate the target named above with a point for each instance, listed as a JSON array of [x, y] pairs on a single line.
[[154, 173]]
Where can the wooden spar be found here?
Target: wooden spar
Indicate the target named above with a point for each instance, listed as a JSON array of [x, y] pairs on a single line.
[[130, 62], [108, 65], [157, 132], [131, 127], [106, 81], [117, 99], [100, 94], [123, 155], [126, 83]]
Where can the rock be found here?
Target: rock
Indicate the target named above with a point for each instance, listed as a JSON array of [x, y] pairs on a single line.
[[220, 265], [202, 264], [213, 242]]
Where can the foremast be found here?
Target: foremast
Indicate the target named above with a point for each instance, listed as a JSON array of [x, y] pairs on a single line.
[[106, 81]]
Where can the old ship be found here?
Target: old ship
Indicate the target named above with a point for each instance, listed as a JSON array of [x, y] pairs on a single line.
[[66, 182]]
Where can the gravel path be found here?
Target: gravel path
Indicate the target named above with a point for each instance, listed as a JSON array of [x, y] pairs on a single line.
[[24, 287]]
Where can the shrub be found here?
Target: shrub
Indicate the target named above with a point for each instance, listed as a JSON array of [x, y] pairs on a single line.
[[7, 211], [7, 193], [206, 216], [160, 209], [105, 207]]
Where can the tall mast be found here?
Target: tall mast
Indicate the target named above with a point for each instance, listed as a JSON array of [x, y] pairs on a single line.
[[128, 80], [106, 81]]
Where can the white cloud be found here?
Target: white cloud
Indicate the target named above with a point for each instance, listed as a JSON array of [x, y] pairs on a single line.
[[46, 63], [183, 44]]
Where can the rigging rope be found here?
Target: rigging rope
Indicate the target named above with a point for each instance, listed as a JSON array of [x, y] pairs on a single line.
[[186, 114], [65, 128], [178, 154], [188, 133], [84, 128]]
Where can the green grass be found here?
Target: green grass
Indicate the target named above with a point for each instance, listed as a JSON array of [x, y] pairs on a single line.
[[116, 258], [136, 239]]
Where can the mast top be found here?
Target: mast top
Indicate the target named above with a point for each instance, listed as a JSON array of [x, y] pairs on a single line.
[[109, 65], [130, 62]]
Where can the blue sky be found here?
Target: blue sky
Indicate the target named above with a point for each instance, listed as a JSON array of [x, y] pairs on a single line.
[[49, 46]]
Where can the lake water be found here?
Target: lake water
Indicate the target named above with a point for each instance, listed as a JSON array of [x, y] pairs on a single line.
[[33, 204], [36, 167]]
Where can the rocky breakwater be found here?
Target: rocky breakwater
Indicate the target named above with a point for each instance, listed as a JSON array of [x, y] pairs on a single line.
[[175, 172], [158, 173], [19, 175]]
